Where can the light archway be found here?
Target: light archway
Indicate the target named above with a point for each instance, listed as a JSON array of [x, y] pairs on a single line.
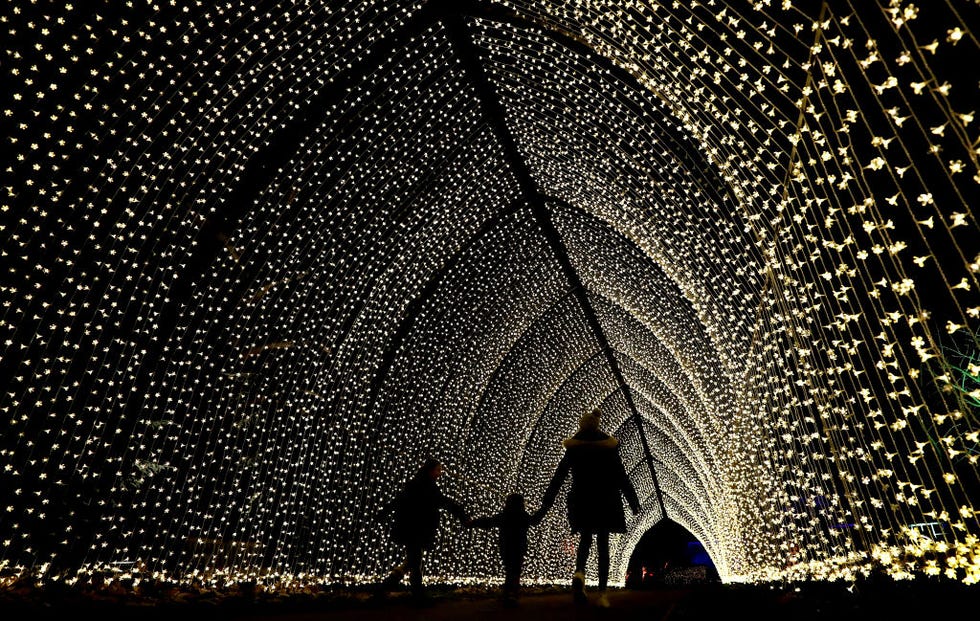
[[260, 260]]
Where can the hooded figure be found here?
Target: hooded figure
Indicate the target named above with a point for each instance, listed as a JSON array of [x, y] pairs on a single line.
[[595, 500]]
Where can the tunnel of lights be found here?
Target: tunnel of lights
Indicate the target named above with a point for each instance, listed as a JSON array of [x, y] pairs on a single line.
[[261, 259]]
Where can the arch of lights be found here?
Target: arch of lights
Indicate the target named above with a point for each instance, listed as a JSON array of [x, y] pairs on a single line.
[[259, 259]]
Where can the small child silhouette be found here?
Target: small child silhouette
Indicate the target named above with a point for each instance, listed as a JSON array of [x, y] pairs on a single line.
[[513, 523]]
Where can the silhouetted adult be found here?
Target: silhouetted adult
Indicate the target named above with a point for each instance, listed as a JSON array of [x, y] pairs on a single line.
[[416, 521], [595, 500]]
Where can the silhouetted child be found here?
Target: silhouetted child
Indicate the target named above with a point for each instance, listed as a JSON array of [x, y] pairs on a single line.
[[513, 523]]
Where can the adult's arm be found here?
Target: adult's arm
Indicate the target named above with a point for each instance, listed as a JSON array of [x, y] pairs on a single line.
[[453, 507], [553, 487], [626, 485]]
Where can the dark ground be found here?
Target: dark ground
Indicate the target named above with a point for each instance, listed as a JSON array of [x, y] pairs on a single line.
[[892, 601]]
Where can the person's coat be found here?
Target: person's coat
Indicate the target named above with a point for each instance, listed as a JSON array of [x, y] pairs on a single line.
[[599, 483], [416, 511], [513, 524]]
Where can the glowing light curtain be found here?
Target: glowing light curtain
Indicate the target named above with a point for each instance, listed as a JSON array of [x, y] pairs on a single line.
[[260, 259]]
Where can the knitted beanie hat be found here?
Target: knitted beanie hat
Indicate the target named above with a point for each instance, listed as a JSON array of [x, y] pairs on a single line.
[[590, 421]]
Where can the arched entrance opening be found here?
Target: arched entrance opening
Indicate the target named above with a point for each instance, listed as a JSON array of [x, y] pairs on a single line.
[[668, 554]]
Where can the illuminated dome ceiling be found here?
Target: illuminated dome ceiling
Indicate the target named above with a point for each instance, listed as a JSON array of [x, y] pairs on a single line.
[[260, 260]]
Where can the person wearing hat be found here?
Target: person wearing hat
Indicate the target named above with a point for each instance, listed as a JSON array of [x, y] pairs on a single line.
[[595, 500]]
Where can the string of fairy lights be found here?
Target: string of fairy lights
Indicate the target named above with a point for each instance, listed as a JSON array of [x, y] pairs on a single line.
[[260, 260]]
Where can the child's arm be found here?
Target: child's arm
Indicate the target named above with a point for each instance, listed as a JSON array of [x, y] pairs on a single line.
[[489, 521]]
